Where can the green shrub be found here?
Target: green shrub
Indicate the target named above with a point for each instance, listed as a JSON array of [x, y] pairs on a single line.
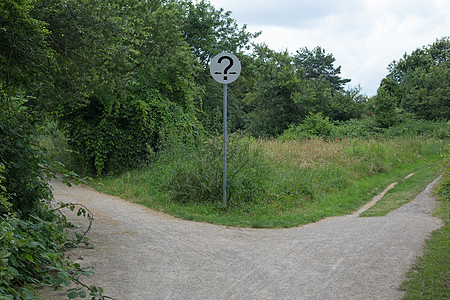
[[353, 128], [314, 125], [414, 127], [22, 159], [201, 177], [32, 234], [386, 113], [121, 137]]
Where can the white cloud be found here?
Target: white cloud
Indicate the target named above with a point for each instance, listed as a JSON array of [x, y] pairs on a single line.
[[286, 13], [363, 36]]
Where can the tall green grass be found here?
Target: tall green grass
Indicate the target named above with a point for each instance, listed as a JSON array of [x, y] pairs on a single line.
[[273, 183]]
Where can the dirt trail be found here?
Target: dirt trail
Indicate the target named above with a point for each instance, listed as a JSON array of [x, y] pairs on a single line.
[[140, 254]]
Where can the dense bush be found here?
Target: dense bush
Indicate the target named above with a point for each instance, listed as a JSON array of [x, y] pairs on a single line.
[[413, 127], [315, 125], [200, 179], [354, 128], [33, 233], [111, 140], [21, 157]]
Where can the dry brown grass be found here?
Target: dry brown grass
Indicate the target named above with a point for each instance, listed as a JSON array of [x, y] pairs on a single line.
[[304, 153]]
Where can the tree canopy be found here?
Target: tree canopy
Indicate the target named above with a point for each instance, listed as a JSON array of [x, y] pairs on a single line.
[[318, 65], [420, 81]]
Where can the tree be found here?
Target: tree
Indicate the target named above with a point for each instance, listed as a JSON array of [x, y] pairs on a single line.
[[270, 106], [124, 81], [346, 105], [23, 48], [318, 96], [318, 65], [33, 234], [283, 95], [386, 112], [420, 80], [209, 31]]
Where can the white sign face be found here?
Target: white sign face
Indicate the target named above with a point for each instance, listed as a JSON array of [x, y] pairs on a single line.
[[225, 67]]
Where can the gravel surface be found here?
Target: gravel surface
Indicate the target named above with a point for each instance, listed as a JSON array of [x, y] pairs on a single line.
[[142, 254]]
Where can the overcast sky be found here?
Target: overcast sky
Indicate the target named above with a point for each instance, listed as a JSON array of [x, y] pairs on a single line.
[[363, 35]]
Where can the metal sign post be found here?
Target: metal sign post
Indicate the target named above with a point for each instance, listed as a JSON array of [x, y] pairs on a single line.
[[225, 68], [225, 144]]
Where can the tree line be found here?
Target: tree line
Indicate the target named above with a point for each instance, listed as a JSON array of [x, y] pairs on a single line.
[[122, 77]]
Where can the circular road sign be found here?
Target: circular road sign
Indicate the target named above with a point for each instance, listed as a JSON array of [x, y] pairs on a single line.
[[225, 67]]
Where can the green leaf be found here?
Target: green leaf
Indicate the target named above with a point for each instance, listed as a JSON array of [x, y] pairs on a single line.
[[33, 244], [82, 294], [13, 271], [73, 295], [13, 260], [29, 257], [27, 295]]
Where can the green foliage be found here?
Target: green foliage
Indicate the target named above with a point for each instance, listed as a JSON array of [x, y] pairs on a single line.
[[201, 180], [289, 183], [413, 127], [419, 81], [386, 113], [209, 31], [270, 103], [137, 85], [21, 158], [319, 126], [314, 125], [430, 275], [354, 128], [143, 69], [346, 104], [284, 94], [129, 134], [31, 255], [319, 66], [22, 42], [32, 234], [443, 190]]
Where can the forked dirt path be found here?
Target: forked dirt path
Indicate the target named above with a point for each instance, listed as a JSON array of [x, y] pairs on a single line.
[[140, 254]]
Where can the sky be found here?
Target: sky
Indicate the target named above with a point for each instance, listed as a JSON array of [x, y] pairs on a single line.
[[364, 36]]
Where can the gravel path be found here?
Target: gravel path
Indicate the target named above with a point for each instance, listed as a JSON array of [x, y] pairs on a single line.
[[141, 254]]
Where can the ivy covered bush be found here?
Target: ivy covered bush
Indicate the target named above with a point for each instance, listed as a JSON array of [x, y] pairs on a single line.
[[33, 234]]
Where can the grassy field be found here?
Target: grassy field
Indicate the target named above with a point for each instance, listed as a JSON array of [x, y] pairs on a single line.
[[276, 184]]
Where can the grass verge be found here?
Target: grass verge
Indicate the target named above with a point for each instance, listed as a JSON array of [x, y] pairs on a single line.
[[430, 276], [405, 191], [274, 184]]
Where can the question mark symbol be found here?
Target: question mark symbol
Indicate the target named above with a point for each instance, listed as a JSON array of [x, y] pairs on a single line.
[[225, 67], [225, 71]]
